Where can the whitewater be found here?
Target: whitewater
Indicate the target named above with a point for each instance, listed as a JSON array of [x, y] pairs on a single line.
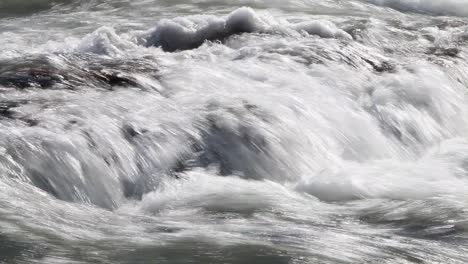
[[243, 131]]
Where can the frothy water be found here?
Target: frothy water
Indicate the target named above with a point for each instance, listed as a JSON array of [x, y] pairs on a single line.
[[233, 131]]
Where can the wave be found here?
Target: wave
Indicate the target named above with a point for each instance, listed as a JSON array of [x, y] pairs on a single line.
[[191, 32], [433, 7], [185, 33]]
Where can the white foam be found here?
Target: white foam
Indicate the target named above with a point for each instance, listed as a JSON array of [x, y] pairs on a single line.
[[183, 33], [190, 32], [440, 172], [322, 28], [200, 189], [104, 41]]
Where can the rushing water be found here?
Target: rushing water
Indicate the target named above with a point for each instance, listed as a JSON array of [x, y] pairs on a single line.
[[243, 131]]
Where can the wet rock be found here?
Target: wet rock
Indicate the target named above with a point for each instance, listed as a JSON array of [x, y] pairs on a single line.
[[440, 51]]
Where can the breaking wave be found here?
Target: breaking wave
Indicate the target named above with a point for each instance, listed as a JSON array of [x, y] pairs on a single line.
[[191, 32]]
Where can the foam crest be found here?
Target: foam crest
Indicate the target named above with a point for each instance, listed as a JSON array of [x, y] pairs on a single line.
[[104, 41], [322, 28], [188, 33], [191, 32]]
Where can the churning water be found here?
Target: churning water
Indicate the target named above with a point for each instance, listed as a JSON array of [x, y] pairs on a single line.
[[243, 131]]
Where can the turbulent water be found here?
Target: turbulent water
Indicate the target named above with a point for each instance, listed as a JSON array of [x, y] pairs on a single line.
[[243, 131]]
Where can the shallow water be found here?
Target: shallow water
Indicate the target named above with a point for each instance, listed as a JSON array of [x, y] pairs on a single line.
[[243, 131]]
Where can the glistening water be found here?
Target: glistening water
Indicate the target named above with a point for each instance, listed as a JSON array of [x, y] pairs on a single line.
[[241, 131]]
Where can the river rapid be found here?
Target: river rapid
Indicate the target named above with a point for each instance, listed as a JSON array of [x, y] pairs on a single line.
[[243, 131]]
